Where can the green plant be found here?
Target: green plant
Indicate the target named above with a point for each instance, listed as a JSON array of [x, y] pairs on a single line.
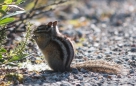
[[17, 53], [8, 20], [7, 17]]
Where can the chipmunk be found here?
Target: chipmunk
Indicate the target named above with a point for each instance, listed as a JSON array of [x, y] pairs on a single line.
[[59, 51]]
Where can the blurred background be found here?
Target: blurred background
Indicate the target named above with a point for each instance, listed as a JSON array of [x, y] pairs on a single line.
[[91, 23], [100, 29]]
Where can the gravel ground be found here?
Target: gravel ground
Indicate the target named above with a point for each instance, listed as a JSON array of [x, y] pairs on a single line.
[[107, 31]]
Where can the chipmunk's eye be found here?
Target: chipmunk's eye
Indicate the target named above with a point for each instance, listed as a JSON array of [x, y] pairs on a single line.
[[35, 37], [47, 28], [43, 28]]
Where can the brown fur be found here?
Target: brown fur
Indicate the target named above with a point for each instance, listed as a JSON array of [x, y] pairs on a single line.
[[101, 66], [59, 52]]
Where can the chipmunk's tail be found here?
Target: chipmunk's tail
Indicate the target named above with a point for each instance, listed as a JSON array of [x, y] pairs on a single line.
[[102, 66]]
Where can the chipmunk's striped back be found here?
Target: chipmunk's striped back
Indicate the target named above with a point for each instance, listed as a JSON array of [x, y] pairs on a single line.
[[55, 46]]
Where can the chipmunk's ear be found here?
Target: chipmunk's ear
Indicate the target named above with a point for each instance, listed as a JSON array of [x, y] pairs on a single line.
[[49, 24], [54, 24]]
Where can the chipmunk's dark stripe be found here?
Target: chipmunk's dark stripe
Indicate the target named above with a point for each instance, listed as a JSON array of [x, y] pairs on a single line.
[[68, 45], [64, 54], [70, 50]]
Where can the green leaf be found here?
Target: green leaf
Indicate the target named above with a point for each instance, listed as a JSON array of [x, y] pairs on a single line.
[[13, 14], [15, 7], [14, 58], [1, 58], [3, 50], [1, 1], [8, 1], [2, 11], [6, 21], [4, 7], [17, 57]]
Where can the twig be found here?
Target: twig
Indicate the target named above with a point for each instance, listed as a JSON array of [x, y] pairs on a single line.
[[33, 12], [42, 7], [25, 16], [29, 13]]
